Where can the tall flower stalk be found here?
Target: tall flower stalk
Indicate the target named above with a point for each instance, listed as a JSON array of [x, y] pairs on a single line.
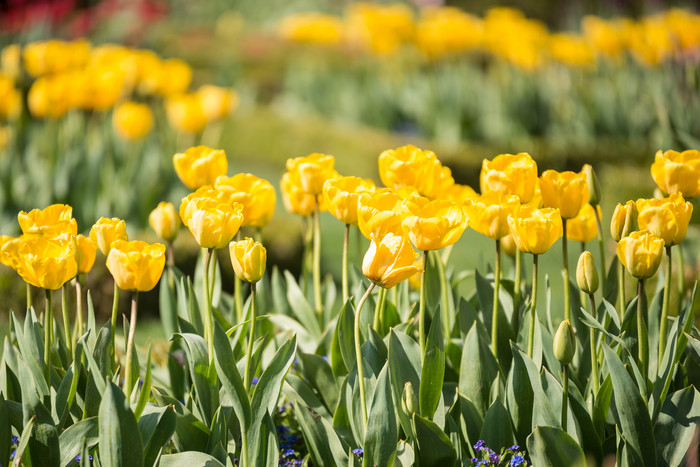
[[533, 308], [496, 289]]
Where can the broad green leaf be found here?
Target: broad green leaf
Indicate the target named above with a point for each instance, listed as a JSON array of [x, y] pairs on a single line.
[[230, 378], [434, 447], [32, 350], [551, 446], [405, 456], [69, 386], [336, 355], [484, 288], [5, 432], [496, 430], [519, 397], [300, 306], [156, 426], [404, 367], [320, 376], [478, 371], [27, 435], [145, 390], [346, 335], [190, 433], [203, 380], [167, 299], [320, 439], [382, 432], [296, 388], [433, 371], [71, 440], [120, 441], [676, 425], [190, 458]]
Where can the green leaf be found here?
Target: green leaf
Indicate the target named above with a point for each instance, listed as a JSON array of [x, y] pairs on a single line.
[[156, 426], [300, 306], [321, 440], [676, 426], [405, 456], [519, 397], [433, 371], [382, 432], [496, 430], [478, 371], [404, 367], [5, 432], [145, 391], [71, 440], [203, 379], [230, 378], [167, 301], [120, 441], [297, 388], [551, 446], [484, 289], [24, 439], [631, 414], [191, 458], [31, 348], [43, 444], [190, 433], [434, 447], [320, 376], [346, 335], [69, 386]]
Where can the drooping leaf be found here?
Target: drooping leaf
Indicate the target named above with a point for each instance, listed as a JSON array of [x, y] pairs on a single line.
[[71, 440], [550, 446], [676, 425], [120, 442], [434, 447]]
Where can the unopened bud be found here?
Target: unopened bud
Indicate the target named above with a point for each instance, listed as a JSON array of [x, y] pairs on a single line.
[[564, 343], [586, 273], [508, 245], [593, 185], [624, 220], [409, 401]]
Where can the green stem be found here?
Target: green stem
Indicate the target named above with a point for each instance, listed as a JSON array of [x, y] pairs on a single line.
[[622, 301], [379, 309], [238, 298], [318, 305], [79, 307], [421, 307], [565, 397], [48, 328], [29, 296], [601, 245], [113, 323], [208, 325], [446, 311], [533, 307], [664, 308], [516, 288], [496, 289], [66, 320], [130, 346], [681, 276], [358, 357], [594, 350], [567, 292], [345, 263], [642, 343], [251, 339], [307, 256]]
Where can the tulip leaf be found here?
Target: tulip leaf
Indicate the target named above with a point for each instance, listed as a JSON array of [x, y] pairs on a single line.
[[190, 433], [203, 379], [434, 447], [279, 294], [336, 355], [496, 430], [320, 376], [167, 301], [478, 371], [71, 440], [551, 446], [120, 440], [156, 425], [404, 367], [231, 380], [324, 445], [5, 431], [519, 397], [306, 342], [433, 371], [25, 438], [610, 288], [145, 390], [188, 458], [69, 386], [301, 307], [676, 425], [631, 414], [382, 432], [405, 457], [296, 388], [31, 348], [506, 334], [346, 335]]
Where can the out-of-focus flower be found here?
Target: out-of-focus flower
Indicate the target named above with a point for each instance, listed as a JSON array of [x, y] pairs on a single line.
[[342, 196], [8, 250], [447, 30], [132, 120], [511, 36], [535, 230], [593, 185], [136, 265], [667, 218], [106, 231], [11, 61], [584, 227], [566, 191], [248, 258], [624, 220], [10, 98], [312, 171], [213, 223], [85, 252], [677, 172], [217, 102], [381, 29], [45, 262], [255, 194], [488, 214], [606, 37], [175, 77], [389, 261], [511, 174], [51, 221], [185, 112], [432, 225], [200, 165], [572, 50], [312, 28], [414, 167], [380, 214], [509, 246], [295, 199], [640, 252], [165, 221]]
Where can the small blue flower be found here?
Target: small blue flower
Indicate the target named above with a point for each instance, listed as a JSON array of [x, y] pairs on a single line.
[[12, 456], [359, 452], [517, 460], [493, 458], [15, 440], [288, 452], [255, 380], [325, 358], [484, 462], [480, 445], [474, 460], [282, 408], [514, 447], [293, 439]]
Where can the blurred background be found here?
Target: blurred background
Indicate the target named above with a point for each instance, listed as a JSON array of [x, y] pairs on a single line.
[[97, 96]]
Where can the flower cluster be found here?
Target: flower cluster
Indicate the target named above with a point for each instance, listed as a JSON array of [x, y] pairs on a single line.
[[512, 456]]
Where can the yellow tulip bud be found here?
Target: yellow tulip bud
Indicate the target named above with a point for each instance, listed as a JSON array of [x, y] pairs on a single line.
[[185, 113], [566, 191], [640, 252], [106, 231], [132, 120], [200, 165], [52, 221], [508, 245], [432, 225], [389, 261], [488, 214], [624, 220], [217, 102], [535, 230], [511, 175], [564, 343], [85, 253], [255, 194], [409, 400], [667, 218], [312, 171], [342, 196], [213, 223], [584, 227], [593, 185], [248, 258], [677, 172], [164, 220], [586, 273], [380, 214], [44, 262], [411, 166], [136, 265]]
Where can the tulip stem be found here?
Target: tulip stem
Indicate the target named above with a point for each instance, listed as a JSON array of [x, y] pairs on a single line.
[[445, 308], [642, 343], [379, 309], [29, 296], [238, 298], [565, 397], [664, 307], [601, 245], [130, 346], [421, 307], [594, 350], [533, 307], [317, 263], [307, 254], [681, 277], [79, 307], [516, 288], [113, 324], [48, 328], [345, 263], [251, 338], [208, 326], [66, 320], [358, 357], [622, 302], [496, 288], [567, 292]]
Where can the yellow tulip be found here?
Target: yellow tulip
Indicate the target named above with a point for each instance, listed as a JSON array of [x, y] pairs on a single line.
[[164, 220], [624, 220], [248, 258], [566, 191], [510, 174], [312, 171], [343, 194], [488, 214], [8, 250], [295, 199], [217, 102], [584, 227], [677, 172], [460, 193], [185, 113], [535, 230], [411, 166], [136, 265], [640, 252], [432, 225], [200, 165], [255, 194], [667, 218], [508, 245], [132, 120], [44, 262], [390, 261], [175, 77], [51, 221], [380, 214], [85, 253], [106, 231], [213, 223]]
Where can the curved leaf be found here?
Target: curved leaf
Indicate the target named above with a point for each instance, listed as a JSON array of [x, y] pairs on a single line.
[[120, 440], [551, 446]]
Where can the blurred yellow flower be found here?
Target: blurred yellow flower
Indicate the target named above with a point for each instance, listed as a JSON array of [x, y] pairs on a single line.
[[488, 214], [248, 258], [584, 227], [641, 252], [213, 223], [255, 194], [45, 262], [200, 165], [312, 171], [447, 30], [85, 252], [312, 28], [511, 174], [677, 172], [51, 221], [132, 120], [381, 29], [535, 230], [390, 260], [667, 218], [295, 199], [342, 196], [11, 61], [432, 225], [175, 77], [8, 250], [185, 112], [566, 191], [217, 102], [136, 265], [106, 231], [414, 167], [165, 221], [508, 245], [572, 50]]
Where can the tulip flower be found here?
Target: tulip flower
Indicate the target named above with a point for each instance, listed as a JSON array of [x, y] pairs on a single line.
[[186, 114], [389, 261], [511, 175], [564, 347], [165, 221], [200, 166], [584, 227], [587, 280], [411, 166], [623, 223], [460, 193], [488, 214], [255, 194], [312, 171], [217, 102], [677, 172], [47, 263], [52, 221], [213, 223], [380, 214], [132, 120], [85, 252], [295, 199], [106, 231]]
